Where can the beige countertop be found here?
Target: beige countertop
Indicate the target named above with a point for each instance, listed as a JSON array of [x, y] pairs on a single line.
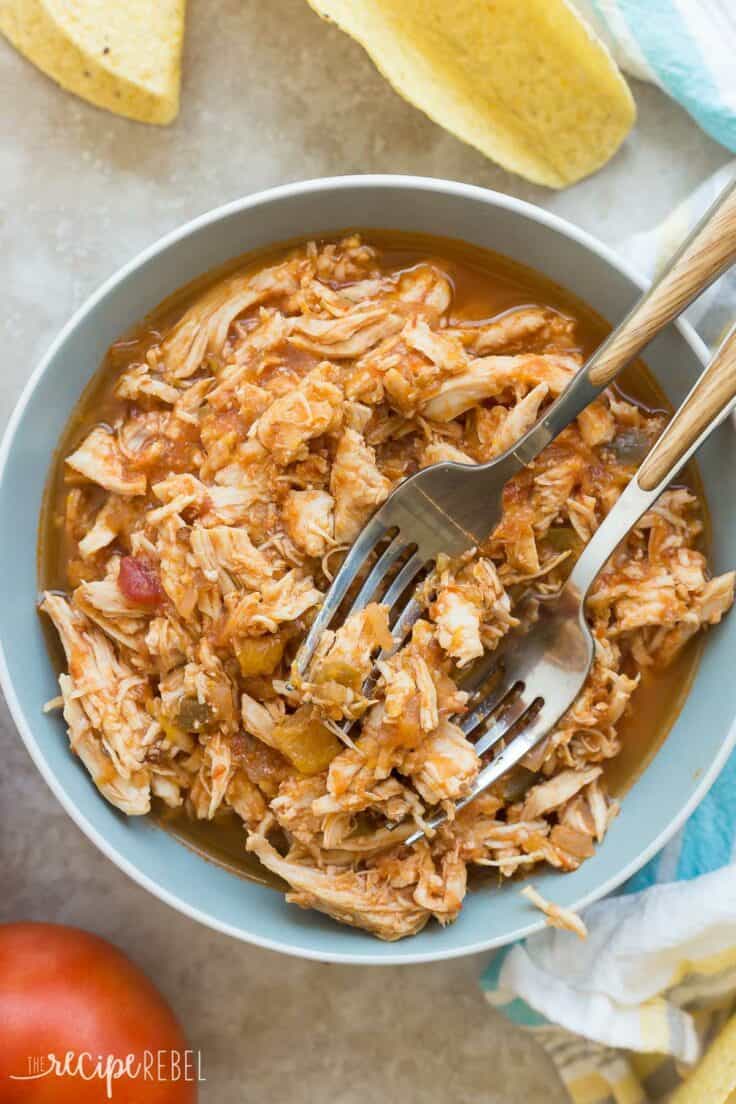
[[271, 94]]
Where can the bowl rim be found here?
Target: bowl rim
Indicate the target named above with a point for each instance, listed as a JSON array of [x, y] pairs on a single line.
[[533, 214]]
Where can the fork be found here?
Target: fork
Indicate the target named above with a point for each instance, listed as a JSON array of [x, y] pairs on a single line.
[[543, 670], [451, 508]]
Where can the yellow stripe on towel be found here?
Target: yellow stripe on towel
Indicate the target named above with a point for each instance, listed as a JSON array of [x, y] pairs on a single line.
[[714, 1080], [705, 967], [594, 1088], [655, 1035]]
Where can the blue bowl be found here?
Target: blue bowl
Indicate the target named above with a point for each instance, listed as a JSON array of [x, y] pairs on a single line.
[[696, 748]]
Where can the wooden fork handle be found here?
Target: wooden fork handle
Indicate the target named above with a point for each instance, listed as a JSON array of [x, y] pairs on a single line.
[[709, 250], [710, 397]]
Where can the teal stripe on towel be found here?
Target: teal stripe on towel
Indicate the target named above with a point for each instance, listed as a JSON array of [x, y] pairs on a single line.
[[709, 833], [675, 58], [492, 972], [522, 1014]]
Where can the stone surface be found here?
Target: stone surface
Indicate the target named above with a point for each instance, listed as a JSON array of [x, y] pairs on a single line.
[[271, 94]]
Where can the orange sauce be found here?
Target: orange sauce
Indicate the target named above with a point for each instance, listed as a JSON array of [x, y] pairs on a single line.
[[485, 285]]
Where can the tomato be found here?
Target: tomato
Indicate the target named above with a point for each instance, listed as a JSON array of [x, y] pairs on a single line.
[[139, 582], [71, 995]]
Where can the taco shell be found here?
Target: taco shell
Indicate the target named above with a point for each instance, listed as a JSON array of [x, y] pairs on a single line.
[[123, 55], [527, 82]]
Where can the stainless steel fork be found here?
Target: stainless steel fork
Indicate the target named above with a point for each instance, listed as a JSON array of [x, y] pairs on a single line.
[[543, 670], [451, 508]]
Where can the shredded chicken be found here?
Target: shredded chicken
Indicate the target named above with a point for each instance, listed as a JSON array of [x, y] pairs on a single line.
[[357, 484], [99, 459], [309, 520], [557, 916], [491, 377], [245, 448], [312, 408]]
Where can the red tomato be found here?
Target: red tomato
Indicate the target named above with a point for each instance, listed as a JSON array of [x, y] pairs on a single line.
[[139, 581], [66, 992]]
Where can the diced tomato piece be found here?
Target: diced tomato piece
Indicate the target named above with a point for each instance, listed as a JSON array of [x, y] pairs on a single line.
[[139, 581]]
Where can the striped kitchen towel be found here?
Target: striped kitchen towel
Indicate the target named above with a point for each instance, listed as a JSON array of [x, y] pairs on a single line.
[[623, 1012], [687, 47]]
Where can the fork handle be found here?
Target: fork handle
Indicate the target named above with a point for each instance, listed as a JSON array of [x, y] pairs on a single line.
[[705, 407], [705, 255]]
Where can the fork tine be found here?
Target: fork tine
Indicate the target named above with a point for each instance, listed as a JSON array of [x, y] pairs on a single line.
[[409, 571], [502, 724], [349, 568], [515, 751], [473, 678], [408, 616], [378, 573], [411, 612], [403, 625], [488, 704], [512, 754], [500, 698]]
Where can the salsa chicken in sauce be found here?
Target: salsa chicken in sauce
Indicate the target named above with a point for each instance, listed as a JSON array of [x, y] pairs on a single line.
[[226, 458]]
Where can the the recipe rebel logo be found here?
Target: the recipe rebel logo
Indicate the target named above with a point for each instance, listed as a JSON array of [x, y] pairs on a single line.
[[159, 1066]]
